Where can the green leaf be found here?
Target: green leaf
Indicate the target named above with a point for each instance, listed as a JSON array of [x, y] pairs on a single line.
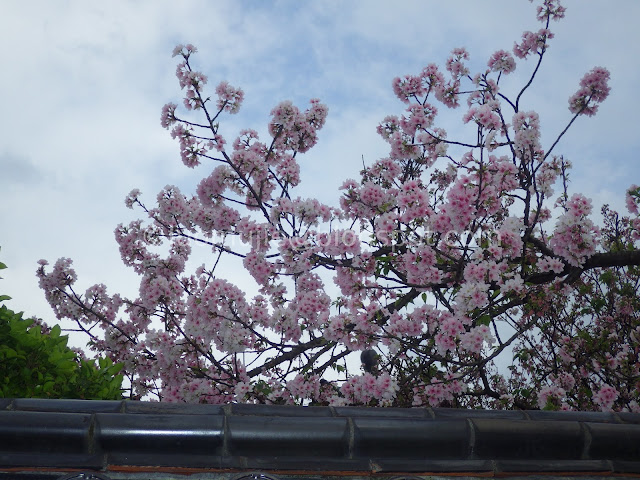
[[8, 352], [115, 368], [607, 277], [41, 365], [4, 297], [55, 331]]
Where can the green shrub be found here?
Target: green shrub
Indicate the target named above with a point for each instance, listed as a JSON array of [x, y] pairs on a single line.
[[35, 362]]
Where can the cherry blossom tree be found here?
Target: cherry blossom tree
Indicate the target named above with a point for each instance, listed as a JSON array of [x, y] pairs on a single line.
[[442, 258]]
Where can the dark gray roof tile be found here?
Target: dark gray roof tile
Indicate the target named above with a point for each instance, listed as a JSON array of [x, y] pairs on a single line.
[[498, 438], [279, 410], [71, 405], [258, 436], [39, 460], [166, 408], [444, 413], [41, 437], [626, 467], [167, 434], [401, 438], [430, 466], [614, 441], [629, 417], [383, 412], [605, 417], [303, 467], [44, 432], [529, 466]]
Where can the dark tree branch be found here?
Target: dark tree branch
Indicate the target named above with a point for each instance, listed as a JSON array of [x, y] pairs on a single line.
[[290, 355], [598, 260]]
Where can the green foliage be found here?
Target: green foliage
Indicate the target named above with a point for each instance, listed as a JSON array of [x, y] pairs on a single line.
[[37, 364]]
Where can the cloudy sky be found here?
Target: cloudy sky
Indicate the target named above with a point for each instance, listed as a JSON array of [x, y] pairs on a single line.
[[83, 83]]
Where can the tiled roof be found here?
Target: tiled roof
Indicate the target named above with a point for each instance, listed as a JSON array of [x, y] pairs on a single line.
[[52, 438]]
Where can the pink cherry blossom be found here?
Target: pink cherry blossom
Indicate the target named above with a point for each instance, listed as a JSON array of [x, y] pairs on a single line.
[[444, 258], [606, 396], [533, 43], [594, 89], [229, 98], [502, 61]]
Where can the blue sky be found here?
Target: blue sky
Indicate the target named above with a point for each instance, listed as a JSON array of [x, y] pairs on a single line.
[[83, 84]]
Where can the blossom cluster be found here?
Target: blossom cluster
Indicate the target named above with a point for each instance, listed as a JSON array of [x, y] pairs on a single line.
[[440, 257], [594, 89], [575, 236]]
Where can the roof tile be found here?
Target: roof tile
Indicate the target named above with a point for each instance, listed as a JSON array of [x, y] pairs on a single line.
[[41, 437], [378, 438], [265, 436], [164, 434], [44, 432], [499, 439]]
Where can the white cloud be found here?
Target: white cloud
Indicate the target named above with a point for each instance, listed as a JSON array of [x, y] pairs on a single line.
[[84, 82]]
